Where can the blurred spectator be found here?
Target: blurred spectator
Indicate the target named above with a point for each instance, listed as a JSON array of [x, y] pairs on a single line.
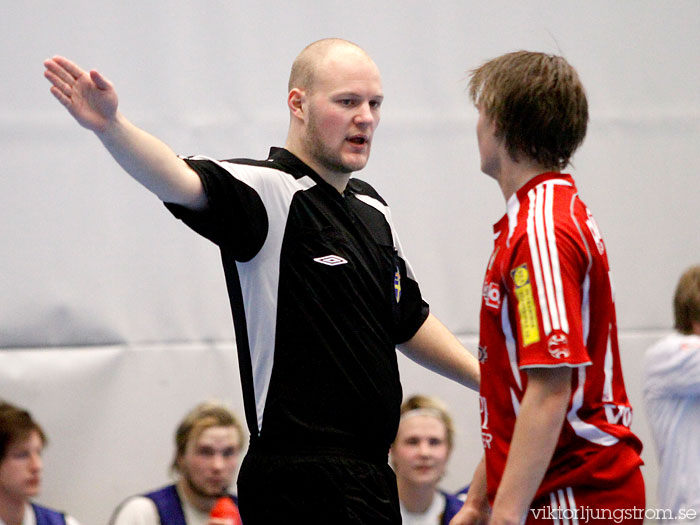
[[672, 396], [208, 444], [22, 442], [419, 456]]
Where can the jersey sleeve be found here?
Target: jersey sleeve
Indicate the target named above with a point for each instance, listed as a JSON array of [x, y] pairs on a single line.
[[411, 310], [235, 216], [545, 294]]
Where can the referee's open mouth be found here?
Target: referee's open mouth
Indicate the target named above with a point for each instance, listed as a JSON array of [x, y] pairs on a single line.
[[360, 140]]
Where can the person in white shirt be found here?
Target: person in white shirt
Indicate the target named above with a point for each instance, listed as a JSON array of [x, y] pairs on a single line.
[[672, 397], [22, 442], [419, 457]]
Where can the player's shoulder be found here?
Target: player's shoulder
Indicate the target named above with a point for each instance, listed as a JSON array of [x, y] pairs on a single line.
[[361, 187], [232, 163]]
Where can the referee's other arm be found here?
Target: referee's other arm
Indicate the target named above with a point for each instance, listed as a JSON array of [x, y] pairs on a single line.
[[437, 349]]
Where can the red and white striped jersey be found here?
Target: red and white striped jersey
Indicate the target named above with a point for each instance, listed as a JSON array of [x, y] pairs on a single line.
[[548, 302]]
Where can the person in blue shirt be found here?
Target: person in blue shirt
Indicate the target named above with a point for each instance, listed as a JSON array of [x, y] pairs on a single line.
[[208, 444], [22, 442]]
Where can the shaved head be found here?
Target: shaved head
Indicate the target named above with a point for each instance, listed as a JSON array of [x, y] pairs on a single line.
[[334, 99], [305, 66]]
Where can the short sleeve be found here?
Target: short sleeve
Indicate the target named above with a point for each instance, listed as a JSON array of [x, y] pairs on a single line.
[[410, 309], [545, 295], [235, 217]]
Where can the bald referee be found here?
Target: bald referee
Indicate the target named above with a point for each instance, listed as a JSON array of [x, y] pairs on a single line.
[[320, 290]]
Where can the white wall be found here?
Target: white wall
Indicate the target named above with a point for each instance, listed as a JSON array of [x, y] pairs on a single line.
[[113, 316]]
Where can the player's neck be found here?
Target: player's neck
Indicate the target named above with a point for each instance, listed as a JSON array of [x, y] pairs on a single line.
[[515, 174]]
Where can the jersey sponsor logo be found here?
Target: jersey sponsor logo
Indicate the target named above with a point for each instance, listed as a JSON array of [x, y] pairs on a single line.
[[331, 260], [558, 346], [521, 276], [492, 295], [483, 354], [527, 312], [618, 414], [397, 284]]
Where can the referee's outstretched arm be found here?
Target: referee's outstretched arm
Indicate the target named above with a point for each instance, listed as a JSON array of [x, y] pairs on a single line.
[[92, 100]]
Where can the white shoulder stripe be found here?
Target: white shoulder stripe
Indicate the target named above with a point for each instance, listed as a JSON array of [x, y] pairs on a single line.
[[545, 258], [541, 228], [537, 270], [386, 211], [554, 257], [250, 174], [376, 204]]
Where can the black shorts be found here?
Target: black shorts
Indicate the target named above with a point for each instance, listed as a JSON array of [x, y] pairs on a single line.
[[315, 490]]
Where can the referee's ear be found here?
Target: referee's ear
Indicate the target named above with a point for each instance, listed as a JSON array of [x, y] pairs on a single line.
[[296, 100]]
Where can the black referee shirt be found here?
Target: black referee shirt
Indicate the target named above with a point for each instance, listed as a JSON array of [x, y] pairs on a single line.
[[320, 295]]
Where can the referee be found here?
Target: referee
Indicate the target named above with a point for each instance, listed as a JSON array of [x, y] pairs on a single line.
[[320, 290]]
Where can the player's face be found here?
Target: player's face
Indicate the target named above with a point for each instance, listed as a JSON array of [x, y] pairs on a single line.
[[210, 460], [20, 470], [343, 112], [488, 145], [420, 452]]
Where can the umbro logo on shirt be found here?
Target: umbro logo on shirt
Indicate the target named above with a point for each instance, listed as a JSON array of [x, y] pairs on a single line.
[[331, 260]]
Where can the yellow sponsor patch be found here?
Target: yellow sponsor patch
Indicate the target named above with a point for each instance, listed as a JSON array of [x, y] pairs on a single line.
[[521, 276], [529, 323]]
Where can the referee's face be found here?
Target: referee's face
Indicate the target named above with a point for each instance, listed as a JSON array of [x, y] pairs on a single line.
[[343, 110]]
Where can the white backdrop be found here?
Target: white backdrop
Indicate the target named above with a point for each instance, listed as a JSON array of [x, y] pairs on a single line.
[[113, 316]]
